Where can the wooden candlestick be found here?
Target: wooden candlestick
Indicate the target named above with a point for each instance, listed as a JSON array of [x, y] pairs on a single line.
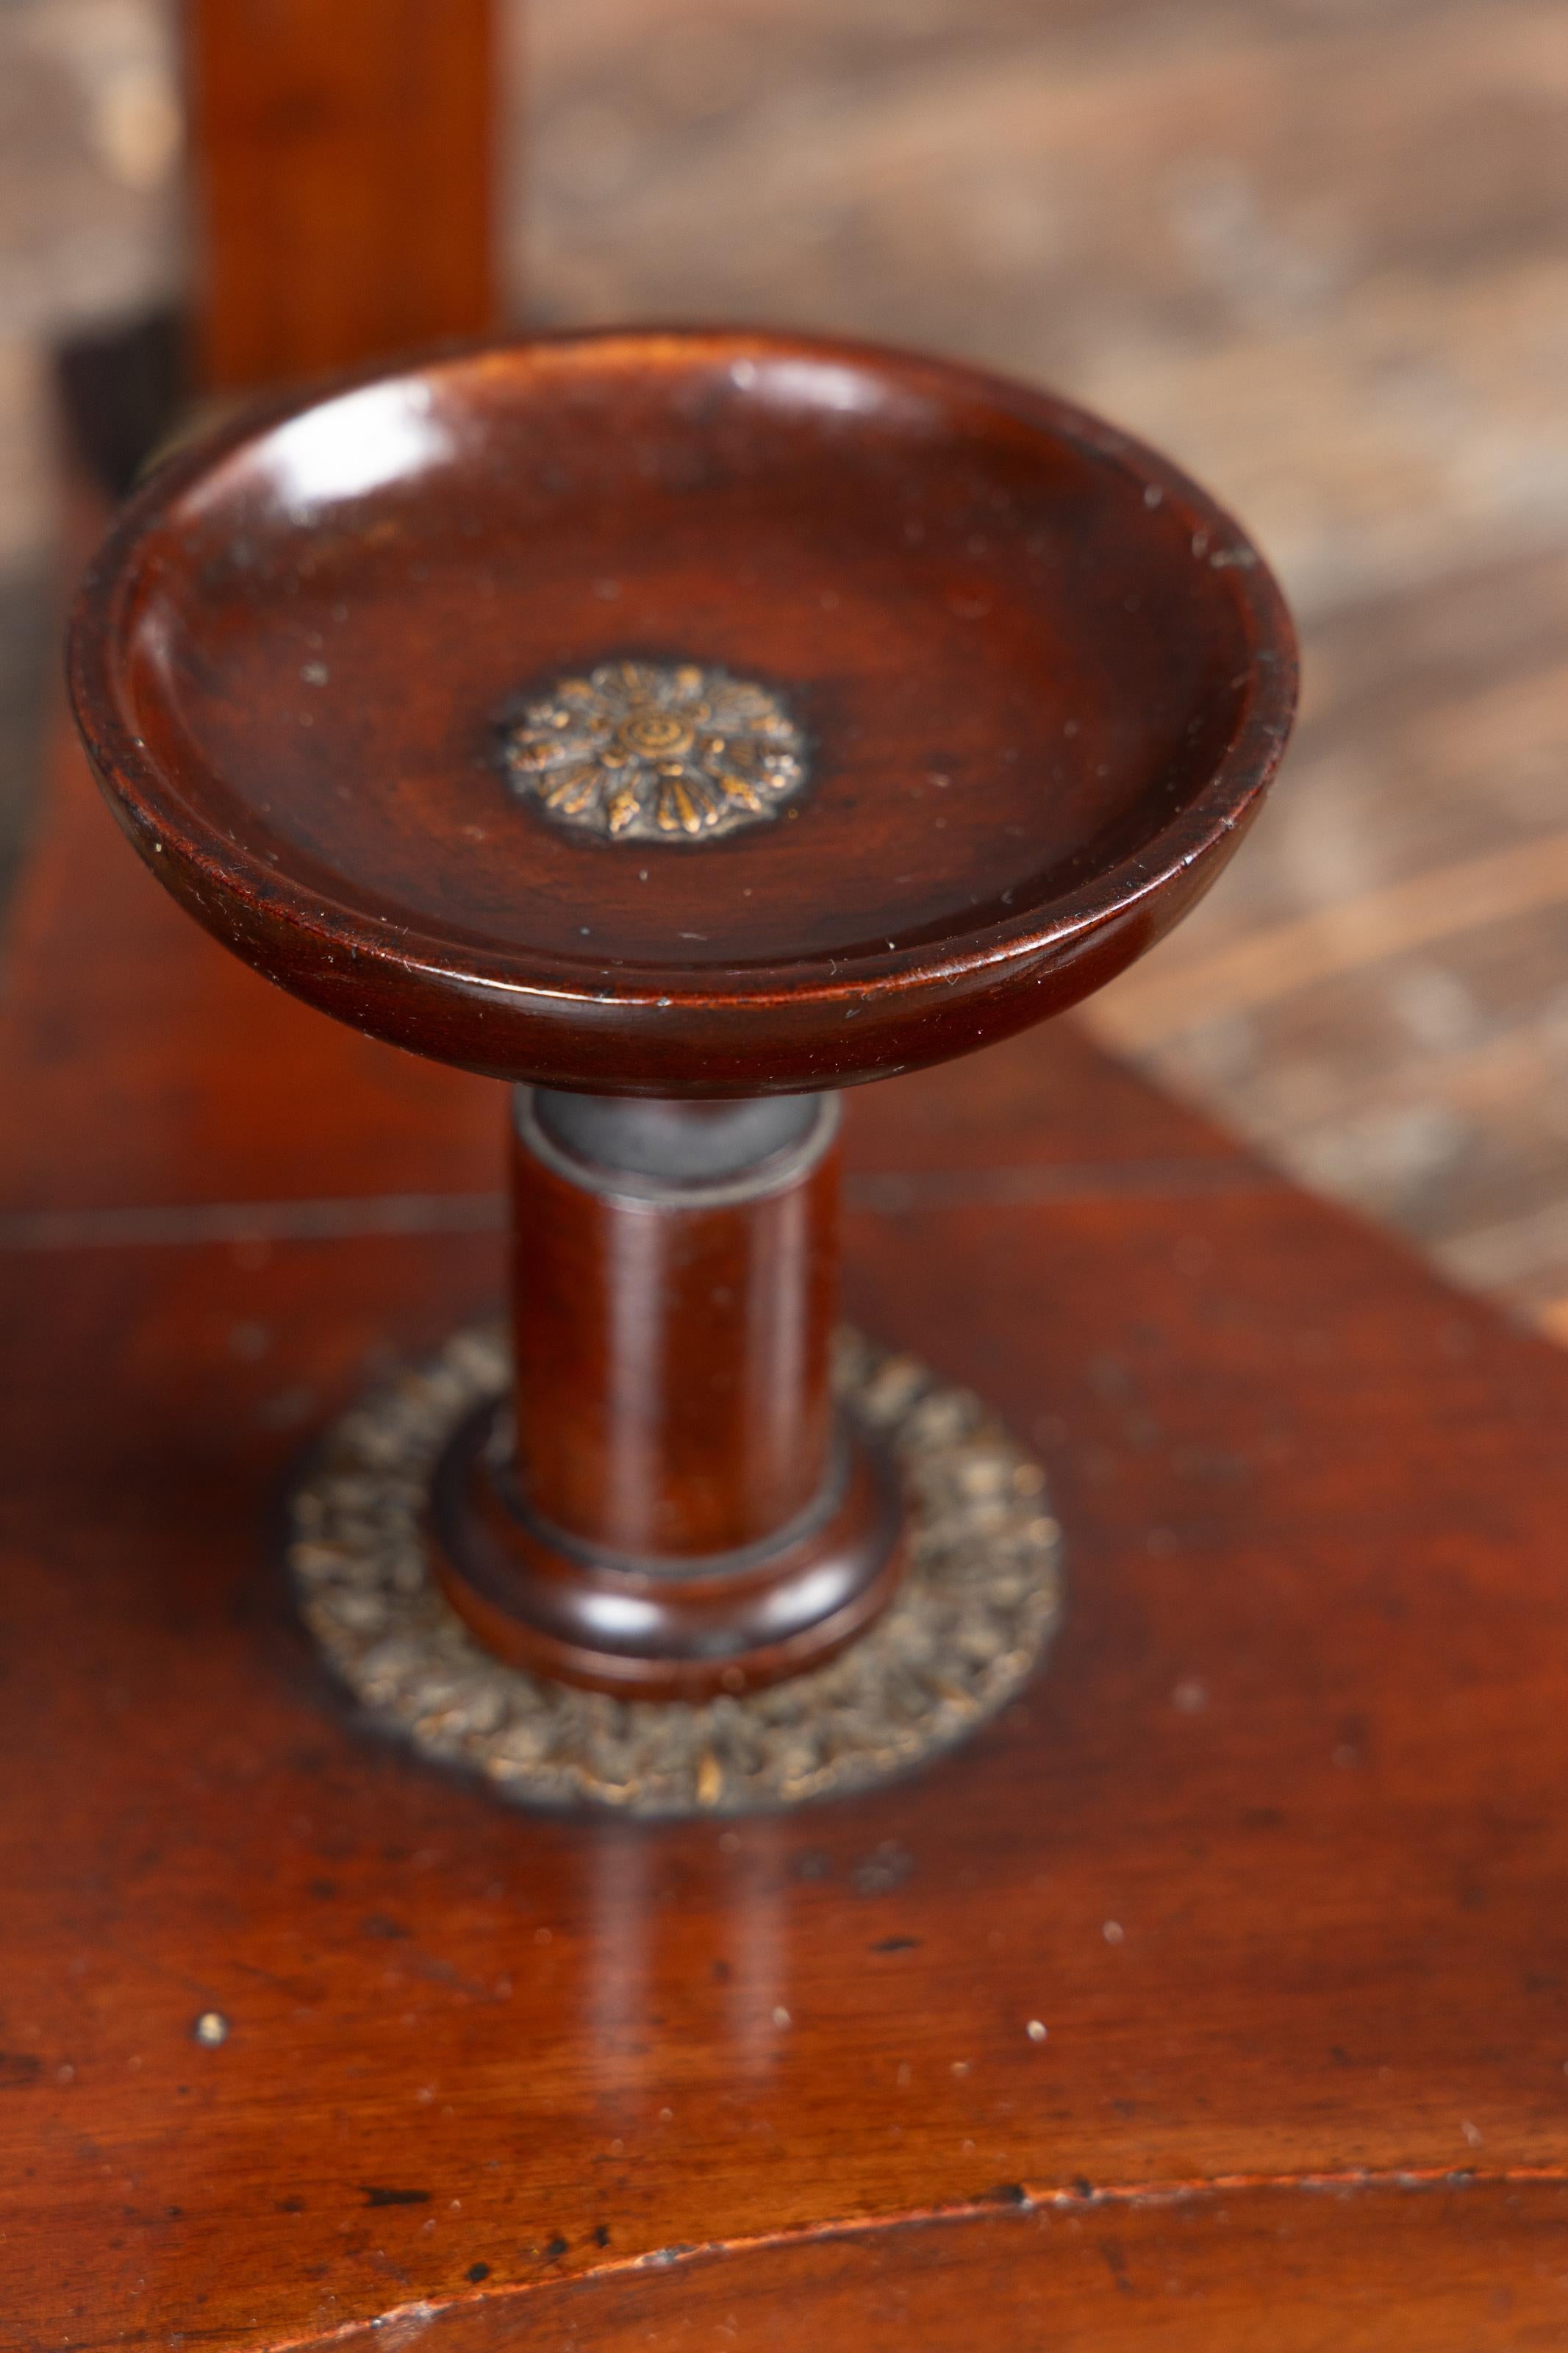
[[679, 727]]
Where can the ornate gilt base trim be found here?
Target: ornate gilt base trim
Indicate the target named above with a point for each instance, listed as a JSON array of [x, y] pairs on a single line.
[[971, 1623]]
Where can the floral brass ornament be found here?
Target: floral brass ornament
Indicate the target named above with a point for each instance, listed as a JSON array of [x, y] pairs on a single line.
[[644, 750], [966, 1629]]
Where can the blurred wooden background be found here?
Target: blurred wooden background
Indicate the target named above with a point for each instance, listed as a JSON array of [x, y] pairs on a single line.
[[1318, 249]]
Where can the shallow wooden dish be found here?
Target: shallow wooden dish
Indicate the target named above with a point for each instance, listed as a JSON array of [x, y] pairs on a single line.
[[1044, 680]]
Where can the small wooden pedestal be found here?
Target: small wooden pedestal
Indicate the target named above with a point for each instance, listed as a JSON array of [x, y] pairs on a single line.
[[681, 727]]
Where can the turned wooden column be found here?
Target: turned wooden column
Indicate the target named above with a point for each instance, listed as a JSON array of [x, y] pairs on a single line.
[[680, 729], [669, 1504], [675, 1282]]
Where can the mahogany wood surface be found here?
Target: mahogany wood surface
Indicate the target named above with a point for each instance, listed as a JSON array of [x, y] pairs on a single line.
[[699, 1419], [683, 1629], [668, 1504], [345, 160], [350, 681], [1273, 1851], [1045, 680], [1341, 2269]]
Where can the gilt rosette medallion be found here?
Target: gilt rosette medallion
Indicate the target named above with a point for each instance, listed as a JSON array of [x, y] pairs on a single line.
[[638, 751]]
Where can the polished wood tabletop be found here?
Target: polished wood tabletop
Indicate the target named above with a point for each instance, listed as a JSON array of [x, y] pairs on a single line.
[[1216, 1996], [1226, 1974]]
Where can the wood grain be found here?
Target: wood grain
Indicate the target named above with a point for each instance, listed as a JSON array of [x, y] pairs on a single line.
[[1273, 1851], [701, 1420], [345, 179], [292, 675], [292, 665], [1317, 255], [137, 1133], [1103, 2275]]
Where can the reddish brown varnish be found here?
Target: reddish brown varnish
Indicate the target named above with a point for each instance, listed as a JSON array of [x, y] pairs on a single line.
[[1434, 2268], [1045, 678], [1302, 1741], [672, 1361], [344, 166], [1045, 682], [669, 1506], [521, 2081], [665, 1629]]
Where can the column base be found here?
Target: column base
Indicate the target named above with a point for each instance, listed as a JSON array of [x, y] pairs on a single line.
[[668, 1628], [966, 1626]]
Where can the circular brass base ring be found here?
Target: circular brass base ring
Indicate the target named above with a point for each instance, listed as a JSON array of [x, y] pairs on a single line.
[[970, 1623]]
